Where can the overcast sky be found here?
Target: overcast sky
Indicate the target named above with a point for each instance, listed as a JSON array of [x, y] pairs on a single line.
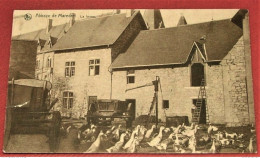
[[170, 17]]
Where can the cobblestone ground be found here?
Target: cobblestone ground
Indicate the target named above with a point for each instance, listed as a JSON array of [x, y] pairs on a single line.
[[38, 143]]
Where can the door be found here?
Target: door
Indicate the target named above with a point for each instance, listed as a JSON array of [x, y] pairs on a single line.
[[91, 99], [133, 101]]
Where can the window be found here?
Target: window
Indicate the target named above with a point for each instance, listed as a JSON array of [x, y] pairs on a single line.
[[94, 66], [69, 68], [130, 76], [197, 74], [67, 100], [49, 62], [38, 64], [165, 104]]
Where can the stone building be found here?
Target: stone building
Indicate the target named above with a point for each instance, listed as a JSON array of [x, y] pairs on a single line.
[[102, 57], [182, 56], [81, 59]]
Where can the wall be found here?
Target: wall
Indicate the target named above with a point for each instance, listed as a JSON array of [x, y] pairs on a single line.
[[82, 85], [127, 37], [226, 89], [22, 59], [235, 92], [44, 72]]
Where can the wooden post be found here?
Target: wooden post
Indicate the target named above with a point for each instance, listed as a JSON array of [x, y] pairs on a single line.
[[156, 95]]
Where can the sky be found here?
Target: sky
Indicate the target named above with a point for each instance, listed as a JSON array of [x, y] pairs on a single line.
[[170, 17]]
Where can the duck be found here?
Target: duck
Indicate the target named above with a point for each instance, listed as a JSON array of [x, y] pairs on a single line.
[[117, 147], [149, 132], [130, 141], [96, 144], [176, 130], [163, 145], [156, 140], [212, 129]]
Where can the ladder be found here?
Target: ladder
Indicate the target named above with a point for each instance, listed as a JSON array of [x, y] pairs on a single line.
[[197, 111]]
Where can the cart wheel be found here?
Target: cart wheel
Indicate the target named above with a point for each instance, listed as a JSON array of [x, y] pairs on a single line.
[[55, 131]]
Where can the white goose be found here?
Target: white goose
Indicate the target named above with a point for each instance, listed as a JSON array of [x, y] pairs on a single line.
[[149, 132], [117, 147], [156, 140], [130, 141], [95, 146], [163, 145]]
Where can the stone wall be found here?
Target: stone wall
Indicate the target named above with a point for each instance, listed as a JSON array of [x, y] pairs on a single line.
[[234, 79], [82, 85], [44, 72], [226, 89]]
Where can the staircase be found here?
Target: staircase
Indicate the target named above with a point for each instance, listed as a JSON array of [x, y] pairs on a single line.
[[197, 112]]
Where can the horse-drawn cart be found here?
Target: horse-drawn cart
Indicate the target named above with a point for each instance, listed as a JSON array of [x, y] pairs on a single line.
[[28, 111], [103, 111]]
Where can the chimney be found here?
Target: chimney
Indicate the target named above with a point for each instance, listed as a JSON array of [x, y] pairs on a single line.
[[118, 11], [129, 12], [72, 19], [182, 21], [153, 19], [49, 25]]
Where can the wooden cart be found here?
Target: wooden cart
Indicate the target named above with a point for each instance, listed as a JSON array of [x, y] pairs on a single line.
[[28, 111]]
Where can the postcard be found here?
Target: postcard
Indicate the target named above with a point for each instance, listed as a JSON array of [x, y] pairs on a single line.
[[130, 81]]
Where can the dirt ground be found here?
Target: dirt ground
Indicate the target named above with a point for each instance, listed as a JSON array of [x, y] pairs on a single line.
[[38, 143]]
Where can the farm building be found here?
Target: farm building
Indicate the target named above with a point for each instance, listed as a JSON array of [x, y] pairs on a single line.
[[106, 56]]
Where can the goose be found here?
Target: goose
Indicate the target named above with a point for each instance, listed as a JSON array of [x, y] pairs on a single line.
[[132, 148], [95, 145], [250, 146], [189, 127], [116, 132], [177, 130], [149, 132], [190, 132], [118, 145], [141, 133], [163, 145], [130, 141], [156, 140]]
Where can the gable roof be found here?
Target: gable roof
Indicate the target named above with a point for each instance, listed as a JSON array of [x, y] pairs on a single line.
[[172, 45], [56, 32], [94, 32]]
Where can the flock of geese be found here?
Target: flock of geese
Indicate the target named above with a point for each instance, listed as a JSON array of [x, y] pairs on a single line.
[[180, 139]]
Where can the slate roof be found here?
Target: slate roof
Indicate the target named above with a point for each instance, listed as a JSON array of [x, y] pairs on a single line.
[[56, 32], [94, 32], [172, 45]]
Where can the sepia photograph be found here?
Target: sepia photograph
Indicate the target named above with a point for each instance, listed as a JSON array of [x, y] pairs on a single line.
[[130, 81]]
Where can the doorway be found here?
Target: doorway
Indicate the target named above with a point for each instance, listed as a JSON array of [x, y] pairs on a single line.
[[132, 110]]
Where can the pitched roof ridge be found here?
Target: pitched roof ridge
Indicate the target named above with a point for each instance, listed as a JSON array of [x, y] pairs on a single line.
[[173, 27]]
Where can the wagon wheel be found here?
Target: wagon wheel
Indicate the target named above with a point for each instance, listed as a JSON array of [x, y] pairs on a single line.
[[55, 131]]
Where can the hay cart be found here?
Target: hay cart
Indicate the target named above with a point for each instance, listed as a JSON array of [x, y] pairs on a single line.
[[104, 111], [28, 111]]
